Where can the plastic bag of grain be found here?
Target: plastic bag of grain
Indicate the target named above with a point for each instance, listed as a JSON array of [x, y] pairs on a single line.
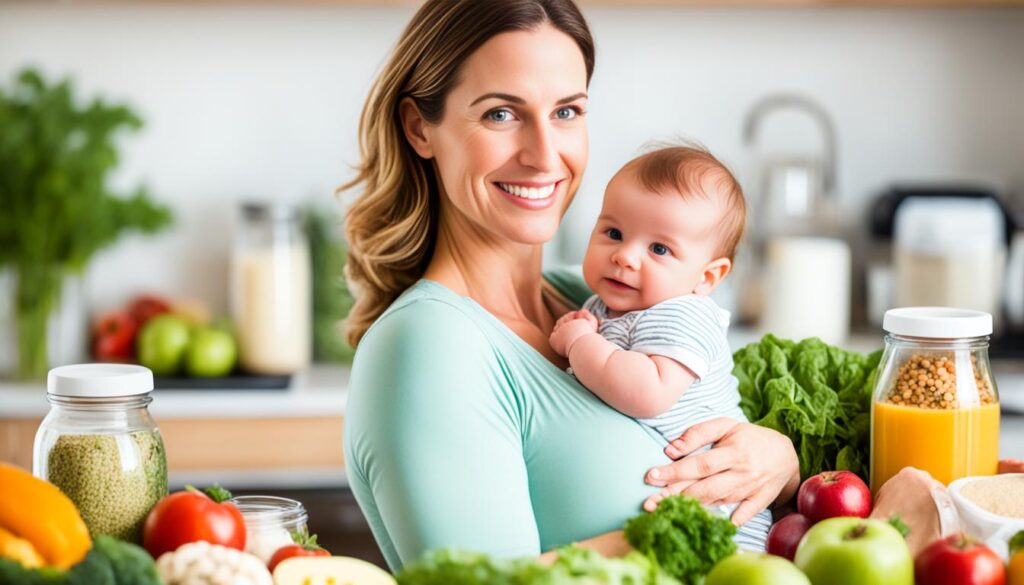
[[991, 508]]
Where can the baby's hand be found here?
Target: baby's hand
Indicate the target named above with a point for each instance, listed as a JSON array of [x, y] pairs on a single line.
[[571, 327]]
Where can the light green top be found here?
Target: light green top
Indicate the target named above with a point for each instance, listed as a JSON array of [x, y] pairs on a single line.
[[459, 434]]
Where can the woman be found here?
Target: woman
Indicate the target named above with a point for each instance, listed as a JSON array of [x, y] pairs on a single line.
[[462, 427]]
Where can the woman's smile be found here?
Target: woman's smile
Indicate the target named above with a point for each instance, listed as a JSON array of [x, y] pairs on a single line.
[[530, 195]]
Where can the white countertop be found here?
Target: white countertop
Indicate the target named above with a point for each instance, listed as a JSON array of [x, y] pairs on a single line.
[[320, 391]]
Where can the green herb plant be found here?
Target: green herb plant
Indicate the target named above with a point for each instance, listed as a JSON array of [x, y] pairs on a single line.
[[331, 298], [58, 210]]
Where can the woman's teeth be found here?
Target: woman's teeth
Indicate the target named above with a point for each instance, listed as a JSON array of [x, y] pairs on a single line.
[[528, 192]]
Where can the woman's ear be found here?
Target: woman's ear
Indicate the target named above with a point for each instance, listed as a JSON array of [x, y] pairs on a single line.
[[714, 273], [414, 127]]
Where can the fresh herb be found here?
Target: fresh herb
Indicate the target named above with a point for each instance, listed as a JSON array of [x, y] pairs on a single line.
[[816, 394], [683, 537], [55, 157], [331, 298]]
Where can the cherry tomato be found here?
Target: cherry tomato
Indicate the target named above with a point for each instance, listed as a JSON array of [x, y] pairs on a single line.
[[304, 546]]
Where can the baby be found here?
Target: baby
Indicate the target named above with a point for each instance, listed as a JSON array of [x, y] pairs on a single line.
[[651, 343]]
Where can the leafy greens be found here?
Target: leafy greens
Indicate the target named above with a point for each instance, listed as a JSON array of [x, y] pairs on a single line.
[[816, 394]]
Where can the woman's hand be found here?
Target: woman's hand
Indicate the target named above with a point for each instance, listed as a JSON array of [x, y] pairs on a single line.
[[752, 465]]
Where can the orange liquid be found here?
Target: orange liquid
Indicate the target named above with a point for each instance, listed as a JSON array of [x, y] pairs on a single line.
[[949, 444]]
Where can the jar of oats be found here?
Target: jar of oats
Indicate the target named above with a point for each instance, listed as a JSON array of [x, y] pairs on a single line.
[[935, 403], [100, 446]]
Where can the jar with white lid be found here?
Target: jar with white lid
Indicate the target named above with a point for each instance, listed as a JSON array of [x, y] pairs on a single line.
[[270, 522], [101, 447], [935, 402]]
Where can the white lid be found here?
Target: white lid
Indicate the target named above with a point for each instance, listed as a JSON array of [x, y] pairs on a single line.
[[99, 380], [937, 322]]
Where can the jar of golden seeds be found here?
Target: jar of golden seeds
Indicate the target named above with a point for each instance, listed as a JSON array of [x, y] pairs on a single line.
[[100, 446], [935, 406]]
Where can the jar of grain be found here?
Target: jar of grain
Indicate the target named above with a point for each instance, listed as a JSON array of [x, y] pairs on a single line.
[[936, 406], [100, 446]]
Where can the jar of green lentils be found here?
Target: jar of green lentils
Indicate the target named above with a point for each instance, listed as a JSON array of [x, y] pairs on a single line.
[[100, 446]]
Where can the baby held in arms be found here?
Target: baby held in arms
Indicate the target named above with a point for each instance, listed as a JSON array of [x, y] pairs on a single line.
[[651, 343]]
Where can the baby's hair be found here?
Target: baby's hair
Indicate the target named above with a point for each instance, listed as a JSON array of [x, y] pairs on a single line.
[[687, 168]]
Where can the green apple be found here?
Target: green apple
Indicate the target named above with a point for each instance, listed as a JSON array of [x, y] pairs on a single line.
[[855, 551], [162, 342], [211, 353], [745, 568]]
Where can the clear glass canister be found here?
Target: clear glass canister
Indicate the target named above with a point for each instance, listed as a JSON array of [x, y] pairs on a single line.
[[100, 446], [935, 403], [271, 290], [269, 523]]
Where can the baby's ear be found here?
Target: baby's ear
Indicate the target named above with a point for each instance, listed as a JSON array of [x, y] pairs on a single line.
[[713, 275]]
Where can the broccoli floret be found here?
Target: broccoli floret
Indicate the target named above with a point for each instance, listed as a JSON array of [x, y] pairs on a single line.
[[684, 538], [94, 569], [131, 564], [12, 573]]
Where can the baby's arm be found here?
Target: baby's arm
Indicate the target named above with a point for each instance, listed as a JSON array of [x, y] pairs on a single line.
[[631, 382]]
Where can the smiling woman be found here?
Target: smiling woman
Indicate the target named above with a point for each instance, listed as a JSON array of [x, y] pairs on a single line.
[[462, 427]]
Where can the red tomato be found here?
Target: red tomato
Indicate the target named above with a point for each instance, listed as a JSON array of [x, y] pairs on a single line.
[[114, 337], [145, 307], [295, 550], [191, 516], [958, 560]]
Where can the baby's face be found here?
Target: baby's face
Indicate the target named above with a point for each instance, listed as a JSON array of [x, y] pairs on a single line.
[[649, 247]]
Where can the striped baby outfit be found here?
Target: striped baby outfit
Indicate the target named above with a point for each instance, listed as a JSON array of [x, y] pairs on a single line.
[[691, 330]]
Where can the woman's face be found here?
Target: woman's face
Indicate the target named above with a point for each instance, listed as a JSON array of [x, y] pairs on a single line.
[[512, 143]]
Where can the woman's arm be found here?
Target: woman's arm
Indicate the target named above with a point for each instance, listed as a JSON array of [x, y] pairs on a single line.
[[752, 465], [433, 447]]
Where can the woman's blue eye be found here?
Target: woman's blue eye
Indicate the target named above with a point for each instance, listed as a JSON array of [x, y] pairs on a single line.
[[613, 233], [566, 113], [659, 249], [499, 115]]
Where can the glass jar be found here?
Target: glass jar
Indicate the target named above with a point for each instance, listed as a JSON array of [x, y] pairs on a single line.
[[271, 292], [935, 403], [100, 446], [269, 523]]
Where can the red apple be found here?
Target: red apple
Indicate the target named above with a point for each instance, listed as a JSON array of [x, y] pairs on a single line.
[[834, 493], [958, 560], [785, 535], [145, 307], [114, 337]]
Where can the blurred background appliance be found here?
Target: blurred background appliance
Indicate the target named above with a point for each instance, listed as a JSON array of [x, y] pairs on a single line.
[[951, 246], [796, 239]]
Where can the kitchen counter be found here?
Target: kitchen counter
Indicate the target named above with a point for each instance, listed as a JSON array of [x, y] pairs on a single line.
[[321, 390]]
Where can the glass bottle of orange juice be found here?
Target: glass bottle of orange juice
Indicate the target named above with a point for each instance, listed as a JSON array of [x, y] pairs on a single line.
[[935, 404]]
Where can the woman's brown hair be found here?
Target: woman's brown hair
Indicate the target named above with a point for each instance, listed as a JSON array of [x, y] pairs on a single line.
[[392, 226]]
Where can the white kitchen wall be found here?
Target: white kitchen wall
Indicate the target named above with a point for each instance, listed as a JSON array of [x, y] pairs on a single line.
[[263, 101]]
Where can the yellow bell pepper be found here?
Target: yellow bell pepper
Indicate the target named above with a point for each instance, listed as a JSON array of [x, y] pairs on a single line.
[[20, 550], [1015, 573], [38, 512]]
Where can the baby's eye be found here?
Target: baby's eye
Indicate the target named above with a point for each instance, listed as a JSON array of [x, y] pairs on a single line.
[[660, 249], [613, 233]]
